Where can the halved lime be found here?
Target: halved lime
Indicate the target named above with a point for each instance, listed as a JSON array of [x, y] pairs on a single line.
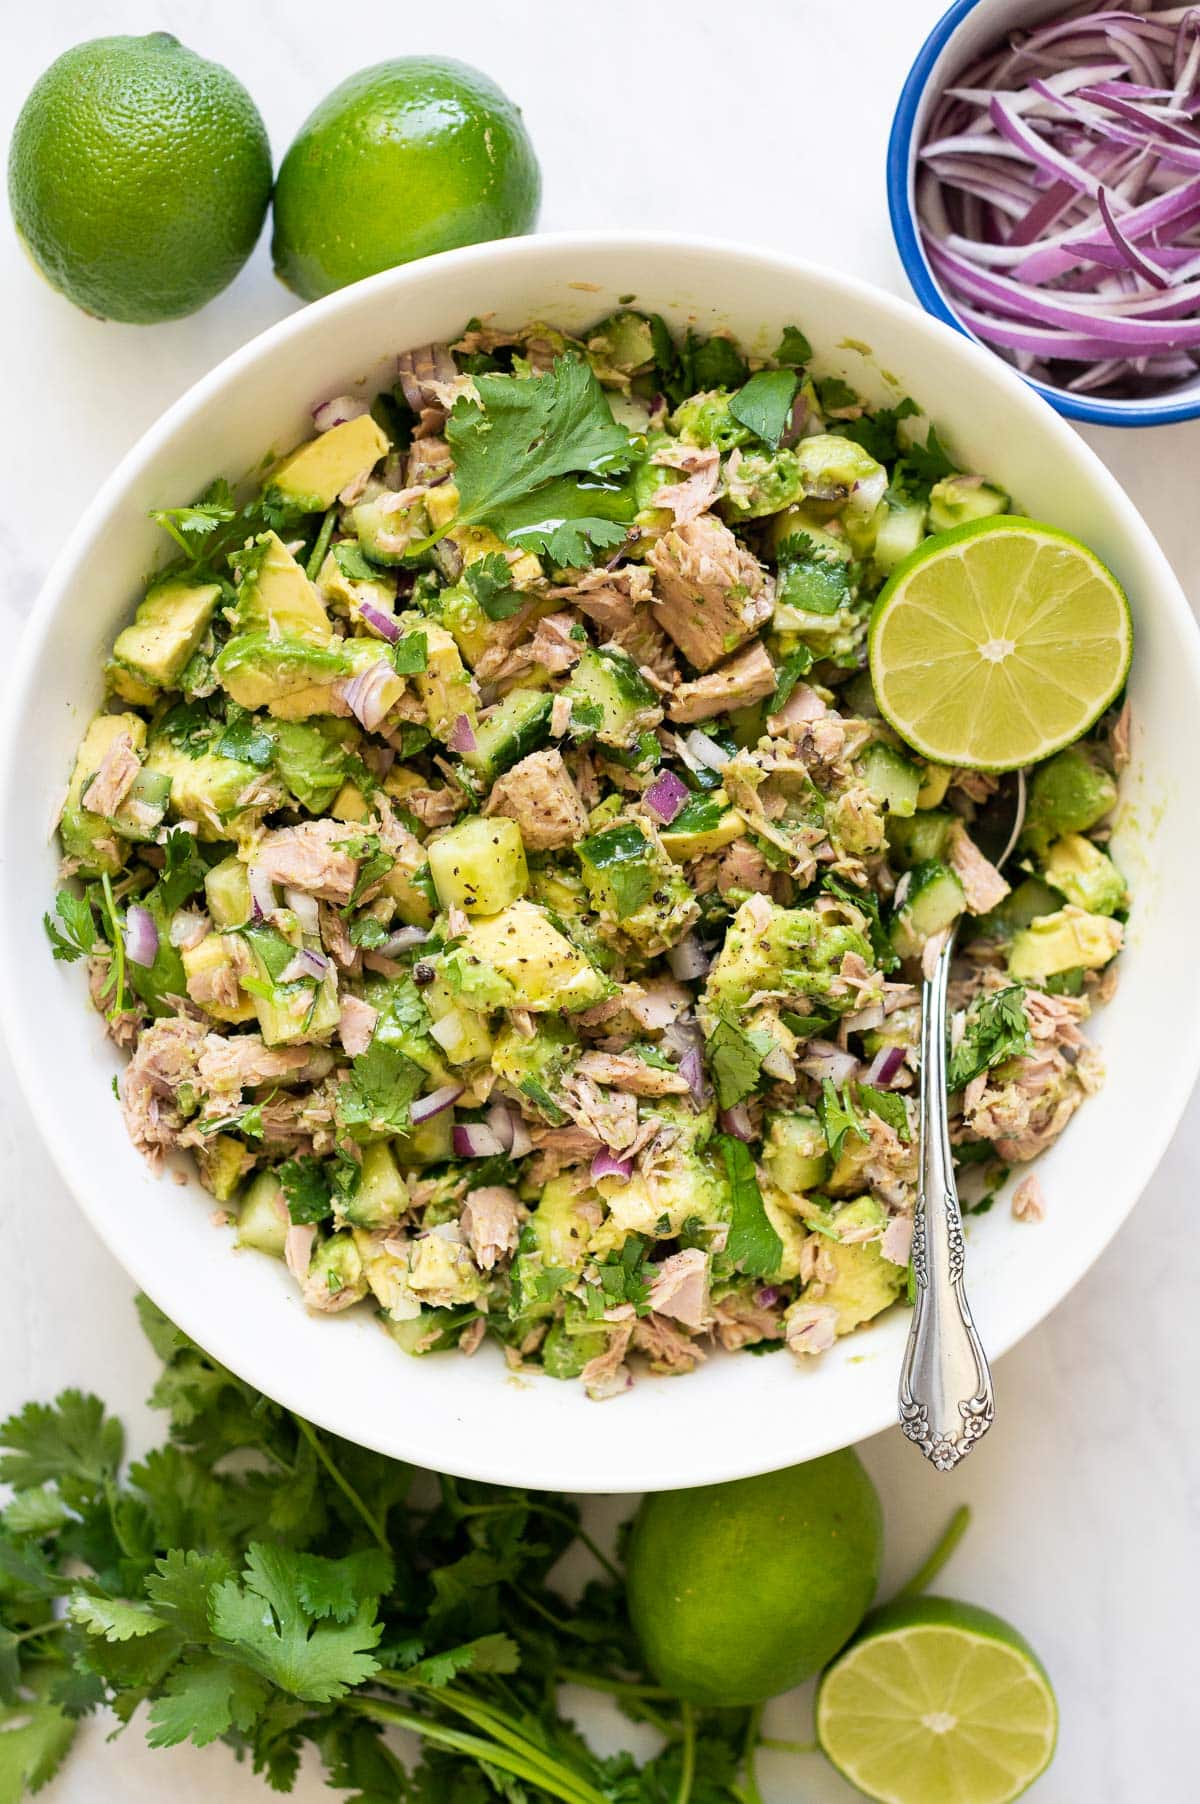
[[997, 643], [938, 1703]]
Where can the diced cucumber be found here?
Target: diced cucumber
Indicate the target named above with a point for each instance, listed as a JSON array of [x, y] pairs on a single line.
[[262, 1216], [382, 1196], [479, 865], [611, 696], [900, 532], [933, 902], [227, 892], [891, 777], [919, 837], [516, 726]]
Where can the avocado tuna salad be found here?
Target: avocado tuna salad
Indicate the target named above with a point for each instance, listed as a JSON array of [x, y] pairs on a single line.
[[494, 864]]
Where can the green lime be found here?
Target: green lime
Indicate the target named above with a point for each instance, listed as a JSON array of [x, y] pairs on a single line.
[[938, 1703], [138, 177], [740, 1591], [997, 643], [402, 160]]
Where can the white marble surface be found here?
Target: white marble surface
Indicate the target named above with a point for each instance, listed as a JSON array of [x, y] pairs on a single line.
[[764, 121]]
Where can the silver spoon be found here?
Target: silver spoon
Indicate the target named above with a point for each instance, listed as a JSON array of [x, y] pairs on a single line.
[[946, 1402]]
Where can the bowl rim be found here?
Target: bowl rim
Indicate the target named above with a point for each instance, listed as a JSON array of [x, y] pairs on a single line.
[[241, 1354], [905, 231]]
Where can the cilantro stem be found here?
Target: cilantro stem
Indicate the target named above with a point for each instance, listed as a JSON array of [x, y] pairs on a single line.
[[522, 1763], [749, 1756], [618, 1688], [343, 1484], [554, 1515], [317, 557], [118, 949], [925, 1574], [556, 1622], [779, 1746], [687, 1769], [43, 1628]]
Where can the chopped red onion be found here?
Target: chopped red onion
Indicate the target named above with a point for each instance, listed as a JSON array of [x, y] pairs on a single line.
[[607, 1165], [461, 737], [262, 893], [522, 1139], [1067, 157], [691, 1067], [304, 907], [822, 1059], [140, 936], [427, 1106], [666, 796], [884, 1067], [327, 414], [767, 1295], [366, 693], [402, 940], [736, 1121], [688, 959], [472, 1140], [384, 624], [500, 1120], [705, 751], [305, 965]]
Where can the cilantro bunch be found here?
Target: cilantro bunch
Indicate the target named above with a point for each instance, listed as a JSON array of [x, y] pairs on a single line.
[[258, 1582]]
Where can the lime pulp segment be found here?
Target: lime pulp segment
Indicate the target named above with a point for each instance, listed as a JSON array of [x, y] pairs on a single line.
[[998, 643]]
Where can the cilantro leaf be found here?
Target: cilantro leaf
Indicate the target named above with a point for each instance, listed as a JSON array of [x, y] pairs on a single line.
[[306, 1188], [787, 675], [411, 654], [753, 1245], [765, 404], [350, 559], [888, 1106], [838, 1117], [183, 872], [384, 1079], [996, 1028], [113, 1618], [35, 1735], [809, 578], [203, 1698], [877, 432], [568, 543], [525, 431], [263, 1619], [70, 1442], [75, 935], [735, 1059], [190, 727], [245, 739], [794, 347], [931, 461], [868, 904], [489, 579], [713, 362], [193, 527], [487, 1654], [834, 394]]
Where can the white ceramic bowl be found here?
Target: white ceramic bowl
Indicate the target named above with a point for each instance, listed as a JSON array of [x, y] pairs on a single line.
[[737, 1414]]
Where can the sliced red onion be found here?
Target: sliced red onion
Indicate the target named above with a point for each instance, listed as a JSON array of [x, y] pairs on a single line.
[[366, 693], [1068, 156], [688, 959], [305, 965], [691, 1067], [706, 751], [767, 1295], [667, 796], [263, 901], [426, 1107], [500, 1118], [607, 1165], [140, 936], [822, 1059], [461, 738], [472, 1140], [402, 940], [304, 907], [736, 1121], [386, 625], [188, 926], [327, 414], [884, 1067]]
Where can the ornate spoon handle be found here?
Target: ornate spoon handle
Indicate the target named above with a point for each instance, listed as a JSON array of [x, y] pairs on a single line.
[[945, 1385]]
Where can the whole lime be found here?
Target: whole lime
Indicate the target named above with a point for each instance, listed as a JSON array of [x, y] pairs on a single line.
[[139, 176], [403, 159], [740, 1591]]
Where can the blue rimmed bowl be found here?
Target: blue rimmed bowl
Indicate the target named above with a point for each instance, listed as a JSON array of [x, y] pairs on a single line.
[[966, 31]]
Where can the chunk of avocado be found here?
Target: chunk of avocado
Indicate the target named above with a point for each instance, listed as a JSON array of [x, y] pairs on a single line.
[[227, 892], [381, 1197], [262, 1216], [571, 1342], [478, 865], [336, 1266], [310, 758], [210, 954], [621, 345], [1028, 900], [794, 950], [289, 1010], [86, 836], [312, 476], [864, 1282], [611, 698], [292, 678], [385, 531], [535, 1068], [165, 632], [275, 596], [208, 789], [461, 1032], [1068, 794], [639, 894], [444, 686], [1085, 875], [704, 824], [519, 959], [1067, 940]]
